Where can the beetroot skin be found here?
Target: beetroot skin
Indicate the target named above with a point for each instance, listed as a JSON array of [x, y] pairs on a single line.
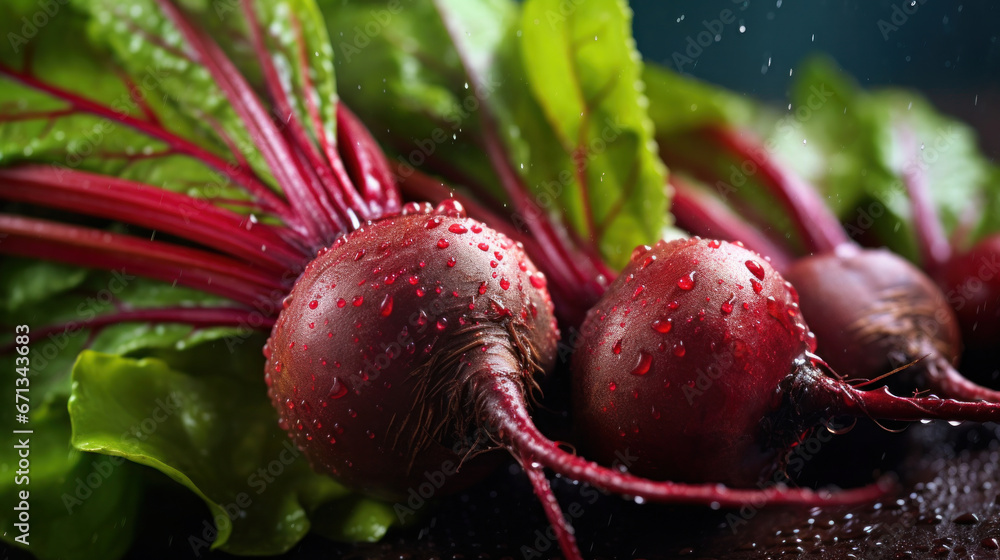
[[373, 358], [702, 307]]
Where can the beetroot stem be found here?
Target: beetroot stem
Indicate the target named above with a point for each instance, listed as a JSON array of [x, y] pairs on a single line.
[[324, 181], [93, 248], [266, 136], [149, 207], [702, 214], [934, 247], [238, 173], [505, 402], [366, 160], [555, 250], [818, 225]]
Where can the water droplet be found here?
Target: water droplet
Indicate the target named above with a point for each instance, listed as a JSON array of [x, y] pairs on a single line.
[[727, 307], [420, 292], [277, 367], [457, 228], [442, 323], [289, 404], [617, 348], [443, 243], [538, 280], [413, 280], [451, 262], [433, 222], [476, 228], [714, 244], [756, 269], [673, 305], [358, 300], [612, 386], [679, 350], [662, 325], [757, 286], [451, 208], [504, 283], [686, 282], [385, 309], [313, 304], [359, 254], [640, 251], [483, 247], [482, 288], [642, 364], [638, 291]]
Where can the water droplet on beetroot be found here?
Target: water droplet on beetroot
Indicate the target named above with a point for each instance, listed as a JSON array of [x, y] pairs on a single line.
[[504, 283], [443, 243], [277, 367], [313, 304], [538, 280], [662, 325], [442, 323], [476, 228], [286, 302], [642, 364], [714, 244], [385, 308], [433, 222], [638, 291], [673, 305], [358, 300], [727, 307], [451, 208], [451, 262], [756, 269], [617, 348], [413, 280], [523, 266], [341, 302], [639, 251], [482, 288], [686, 282], [612, 386], [289, 404], [757, 286], [359, 255], [483, 247], [494, 264], [457, 228], [679, 349]]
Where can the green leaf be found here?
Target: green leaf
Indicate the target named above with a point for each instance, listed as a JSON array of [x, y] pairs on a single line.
[[80, 505], [680, 103], [212, 434], [589, 85]]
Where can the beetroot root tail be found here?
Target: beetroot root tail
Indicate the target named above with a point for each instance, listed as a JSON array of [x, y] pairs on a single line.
[[543, 490], [506, 412]]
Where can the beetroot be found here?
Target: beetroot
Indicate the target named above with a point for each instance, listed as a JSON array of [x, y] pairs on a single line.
[[374, 360], [698, 360], [892, 314]]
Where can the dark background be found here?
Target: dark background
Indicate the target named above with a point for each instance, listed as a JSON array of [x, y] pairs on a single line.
[[950, 50]]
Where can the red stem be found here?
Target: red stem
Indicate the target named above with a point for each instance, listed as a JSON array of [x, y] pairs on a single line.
[[238, 173], [503, 400], [368, 163], [265, 134], [702, 214], [149, 207], [820, 228], [209, 272], [321, 180], [935, 249], [588, 287]]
